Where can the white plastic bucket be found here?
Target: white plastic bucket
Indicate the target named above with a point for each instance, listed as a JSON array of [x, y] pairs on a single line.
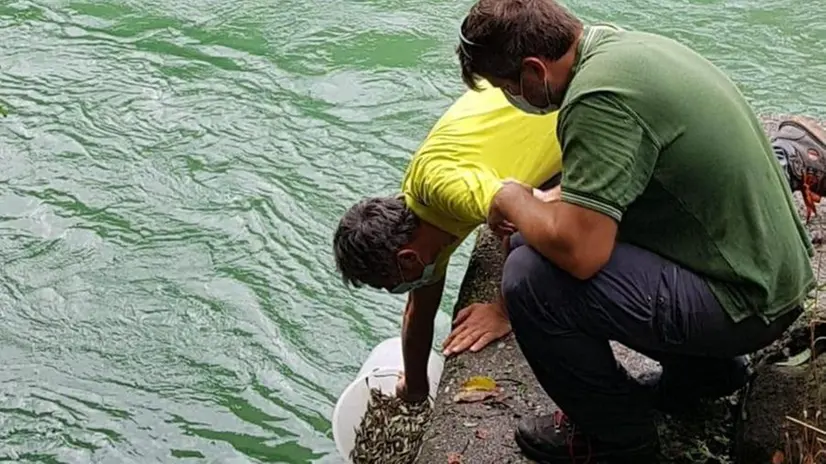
[[380, 370]]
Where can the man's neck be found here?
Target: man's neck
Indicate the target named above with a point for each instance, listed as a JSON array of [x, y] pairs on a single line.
[[432, 239], [566, 64]]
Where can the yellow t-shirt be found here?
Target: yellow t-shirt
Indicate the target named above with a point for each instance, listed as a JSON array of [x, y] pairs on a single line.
[[480, 141]]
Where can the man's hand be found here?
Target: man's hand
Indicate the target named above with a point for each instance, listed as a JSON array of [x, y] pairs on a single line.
[[496, 222], [499, 225], [476, 326], [581, 247], [411, 395]]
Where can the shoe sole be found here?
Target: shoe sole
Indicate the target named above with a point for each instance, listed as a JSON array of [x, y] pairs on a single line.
[[643, 454], [814, 131]]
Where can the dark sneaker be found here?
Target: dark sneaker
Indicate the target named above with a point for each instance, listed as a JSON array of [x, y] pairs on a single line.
[[805, 144], [673, 395], [554, 439]]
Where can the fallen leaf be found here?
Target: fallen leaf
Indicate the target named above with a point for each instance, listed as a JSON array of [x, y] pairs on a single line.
[[482, 434], [479, 383], [797, 359], [454, 458], [472, 396], [778, 458]]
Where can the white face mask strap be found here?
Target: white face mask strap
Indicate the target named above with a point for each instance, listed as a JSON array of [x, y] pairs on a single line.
[[405, 286], [464, 42]]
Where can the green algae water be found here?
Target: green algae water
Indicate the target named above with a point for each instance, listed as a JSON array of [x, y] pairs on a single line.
[[172, 173]]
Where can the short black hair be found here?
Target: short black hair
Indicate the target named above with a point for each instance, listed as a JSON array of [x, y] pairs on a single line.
[[497, 35], [368, 237]]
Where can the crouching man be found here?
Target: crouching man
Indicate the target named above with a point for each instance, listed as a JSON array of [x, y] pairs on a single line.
[[675, 234]]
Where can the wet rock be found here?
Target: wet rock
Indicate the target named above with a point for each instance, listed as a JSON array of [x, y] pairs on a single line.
[[781, 396], [761, 431]]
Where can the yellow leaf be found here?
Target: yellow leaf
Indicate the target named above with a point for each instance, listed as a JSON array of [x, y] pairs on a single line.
[[479, 383]]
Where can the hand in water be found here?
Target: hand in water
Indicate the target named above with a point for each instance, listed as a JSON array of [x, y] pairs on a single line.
[[475, 327], [408, 394]]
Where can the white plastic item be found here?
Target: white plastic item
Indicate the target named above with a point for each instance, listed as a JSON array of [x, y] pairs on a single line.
[[381, 369]]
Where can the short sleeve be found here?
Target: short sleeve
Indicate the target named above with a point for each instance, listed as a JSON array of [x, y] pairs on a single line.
[[608, 157], [453, 196]]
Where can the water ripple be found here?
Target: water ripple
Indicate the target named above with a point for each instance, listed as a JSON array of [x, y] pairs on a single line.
[[172, 177]]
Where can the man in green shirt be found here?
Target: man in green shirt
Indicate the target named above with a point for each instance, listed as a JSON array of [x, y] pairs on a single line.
[[676, 233]]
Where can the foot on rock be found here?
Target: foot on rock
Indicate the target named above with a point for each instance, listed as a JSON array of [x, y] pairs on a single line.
[[554, 439]]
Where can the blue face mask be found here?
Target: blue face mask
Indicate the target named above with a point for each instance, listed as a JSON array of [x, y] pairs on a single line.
[[427, 275], [521, 103]]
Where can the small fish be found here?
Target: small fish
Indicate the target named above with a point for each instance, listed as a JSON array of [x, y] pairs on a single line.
[[391, 431]]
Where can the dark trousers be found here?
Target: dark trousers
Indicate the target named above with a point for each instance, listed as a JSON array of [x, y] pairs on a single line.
[[563, 326]]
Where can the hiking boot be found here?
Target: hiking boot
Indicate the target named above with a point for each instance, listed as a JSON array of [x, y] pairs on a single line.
[[677, 394], [554, 439], [805, 145]]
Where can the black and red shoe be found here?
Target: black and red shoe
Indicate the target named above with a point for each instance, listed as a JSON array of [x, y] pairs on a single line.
[[805, 144], [554, 439]]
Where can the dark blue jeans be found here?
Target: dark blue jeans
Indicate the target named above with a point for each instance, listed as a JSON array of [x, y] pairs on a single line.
[[563, 326]]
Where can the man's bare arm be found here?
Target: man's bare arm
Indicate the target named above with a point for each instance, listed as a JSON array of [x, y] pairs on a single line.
[[577, 239], [417, 337]]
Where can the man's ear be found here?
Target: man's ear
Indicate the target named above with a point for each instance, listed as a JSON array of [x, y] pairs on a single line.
[[407, 258], [531, 62]]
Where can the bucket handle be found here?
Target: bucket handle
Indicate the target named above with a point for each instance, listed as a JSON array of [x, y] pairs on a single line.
[[371, 375]]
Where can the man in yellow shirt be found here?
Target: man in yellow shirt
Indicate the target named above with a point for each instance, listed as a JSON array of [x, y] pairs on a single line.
[[402, 243]]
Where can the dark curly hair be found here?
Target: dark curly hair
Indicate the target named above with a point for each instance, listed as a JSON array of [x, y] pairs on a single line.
[[368, 237]]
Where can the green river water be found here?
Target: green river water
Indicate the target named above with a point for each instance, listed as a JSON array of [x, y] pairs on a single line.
[[172, 172]]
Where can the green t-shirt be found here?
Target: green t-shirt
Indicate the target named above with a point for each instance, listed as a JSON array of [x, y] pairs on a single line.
[[658, 138]]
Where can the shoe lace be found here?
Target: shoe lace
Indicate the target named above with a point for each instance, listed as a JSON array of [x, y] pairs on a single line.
[[809, 197], [561, 421]]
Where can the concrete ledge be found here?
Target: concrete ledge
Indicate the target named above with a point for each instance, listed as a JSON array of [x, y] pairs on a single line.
[[483, 432]]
